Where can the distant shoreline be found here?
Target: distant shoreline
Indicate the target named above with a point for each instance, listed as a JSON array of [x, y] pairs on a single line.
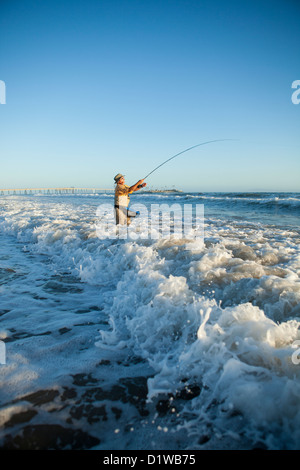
[[163, 191]]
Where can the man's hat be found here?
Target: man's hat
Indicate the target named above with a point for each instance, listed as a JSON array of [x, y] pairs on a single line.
[[117, 177]]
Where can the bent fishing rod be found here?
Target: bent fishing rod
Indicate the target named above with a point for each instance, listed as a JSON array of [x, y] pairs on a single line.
[[183, 151]]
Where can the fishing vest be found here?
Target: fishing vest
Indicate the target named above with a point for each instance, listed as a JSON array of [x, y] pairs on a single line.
[[122, 197]]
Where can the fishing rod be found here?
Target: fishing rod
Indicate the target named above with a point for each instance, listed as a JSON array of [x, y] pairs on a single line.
[[183, 151]]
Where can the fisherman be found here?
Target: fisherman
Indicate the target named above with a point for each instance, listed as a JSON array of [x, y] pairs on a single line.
[[122, 199]]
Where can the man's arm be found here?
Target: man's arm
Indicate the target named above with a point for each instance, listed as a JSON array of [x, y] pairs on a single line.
[[140, 184]]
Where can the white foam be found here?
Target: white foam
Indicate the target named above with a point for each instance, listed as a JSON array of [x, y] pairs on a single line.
[[223, 315]]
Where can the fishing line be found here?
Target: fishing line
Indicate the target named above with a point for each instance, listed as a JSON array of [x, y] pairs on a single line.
[[183, 151]]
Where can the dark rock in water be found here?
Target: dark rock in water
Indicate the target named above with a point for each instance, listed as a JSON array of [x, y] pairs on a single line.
[[41, 397], [19, 418], [163, 406], [189, 392], [203, 439], [50, 437]]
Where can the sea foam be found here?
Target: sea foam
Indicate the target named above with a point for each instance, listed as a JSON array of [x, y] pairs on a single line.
[[213, 322]]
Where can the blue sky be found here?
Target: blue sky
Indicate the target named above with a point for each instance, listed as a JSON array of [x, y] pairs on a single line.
[[94, 88]]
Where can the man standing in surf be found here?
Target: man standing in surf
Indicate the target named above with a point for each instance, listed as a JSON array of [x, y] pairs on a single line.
[[122, 199]]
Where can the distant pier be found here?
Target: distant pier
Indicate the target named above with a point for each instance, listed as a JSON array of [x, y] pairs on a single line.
[[45, 191]]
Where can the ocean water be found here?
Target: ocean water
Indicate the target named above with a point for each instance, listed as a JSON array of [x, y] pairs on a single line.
[[175, 343]]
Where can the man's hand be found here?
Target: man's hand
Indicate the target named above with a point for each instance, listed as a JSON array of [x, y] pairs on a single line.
[[141, 184]]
